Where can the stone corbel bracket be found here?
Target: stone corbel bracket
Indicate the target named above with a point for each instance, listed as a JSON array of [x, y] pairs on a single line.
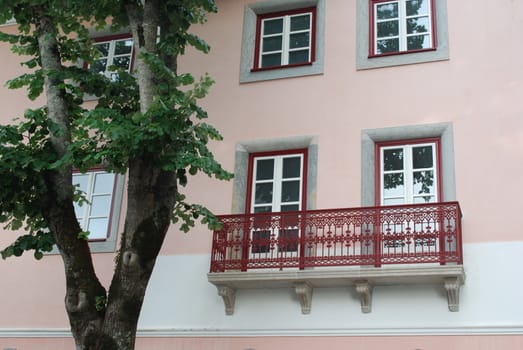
[[228, 295], [304, 293], [452, 286], [364, 289]]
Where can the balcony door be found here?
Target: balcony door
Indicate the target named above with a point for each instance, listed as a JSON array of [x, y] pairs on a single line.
[[277, 186], [408, 174]]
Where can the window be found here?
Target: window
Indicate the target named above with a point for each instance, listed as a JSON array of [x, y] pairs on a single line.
[[409, 172], [277, 185], [401, 26], [427, 141], [115, 54], [398, 32], [285, 39], [277, 182], [95, 216], [282, 39]]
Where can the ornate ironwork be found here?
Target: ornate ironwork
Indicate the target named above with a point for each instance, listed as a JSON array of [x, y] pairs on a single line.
[[403, 234]]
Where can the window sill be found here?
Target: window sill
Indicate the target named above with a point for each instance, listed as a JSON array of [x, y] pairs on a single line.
[[410, 52], [451, 277], [281, 67]]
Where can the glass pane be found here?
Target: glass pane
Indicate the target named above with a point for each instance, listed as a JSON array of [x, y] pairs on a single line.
[[272, 43], [261, 241], [418, 42], [99, 66], [393, 159], [79, 211], [263, 193], [423, 182], [385, 11], [424, 199], [291, 167], [417, 7], [264, 169], [290, 207], [103, 48], [290, 191], [393, 185], [97, 228], [272, 60], [299, 40], [81, 180], [272, 26], [123, 47], [100, 206], [418, 25], [388, 28], [122, 62], [301, 56], [265, 209], [301, 22], [289, 239], [389, 45], [104, 183], [422, 157]]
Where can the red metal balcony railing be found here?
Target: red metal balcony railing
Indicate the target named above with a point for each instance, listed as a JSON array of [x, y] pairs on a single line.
[[404, 234]]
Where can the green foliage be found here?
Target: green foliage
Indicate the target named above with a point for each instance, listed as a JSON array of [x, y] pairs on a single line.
[[171, 133], [100, 302]]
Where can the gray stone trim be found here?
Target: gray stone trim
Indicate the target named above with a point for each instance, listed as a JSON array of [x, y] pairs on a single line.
[[362, 41], [249, 37], [241, 167], [369, 138]]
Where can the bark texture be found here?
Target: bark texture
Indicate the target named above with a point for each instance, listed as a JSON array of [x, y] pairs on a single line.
[[82, 285]]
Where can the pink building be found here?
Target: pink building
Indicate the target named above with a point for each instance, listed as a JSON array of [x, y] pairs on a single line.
[[378, 153]]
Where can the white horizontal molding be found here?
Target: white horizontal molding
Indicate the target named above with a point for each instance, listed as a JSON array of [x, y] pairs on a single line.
[[354, 332]]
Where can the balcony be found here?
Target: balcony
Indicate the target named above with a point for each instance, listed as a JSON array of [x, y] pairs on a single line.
[[355, 247]]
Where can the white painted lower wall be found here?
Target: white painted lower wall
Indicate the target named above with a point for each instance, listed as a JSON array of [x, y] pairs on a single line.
[[181, 301]]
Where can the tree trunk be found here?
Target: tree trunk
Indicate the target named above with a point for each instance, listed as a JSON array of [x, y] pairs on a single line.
[[151, 197], [82, 285]]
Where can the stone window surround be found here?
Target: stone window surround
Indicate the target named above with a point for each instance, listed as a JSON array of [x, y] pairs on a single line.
[[363, 41], [241, 167], [249, 40], [370, 137]]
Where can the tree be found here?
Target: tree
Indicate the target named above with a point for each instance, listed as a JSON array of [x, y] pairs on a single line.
[[147, 124]]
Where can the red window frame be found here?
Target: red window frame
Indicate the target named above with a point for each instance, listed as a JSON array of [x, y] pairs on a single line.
[[250, 174], [377, 164], [372, 52], [258, 37]]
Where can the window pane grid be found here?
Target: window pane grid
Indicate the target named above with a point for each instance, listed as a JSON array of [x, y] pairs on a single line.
[[412, 182], [294, 46], [93, 216], [413, 21], [113, 53]]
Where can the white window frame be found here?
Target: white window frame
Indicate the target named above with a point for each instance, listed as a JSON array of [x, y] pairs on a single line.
[[111, 55], [85, 211], [408, 195], [286, 35], [277, 181], [402, 26]]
